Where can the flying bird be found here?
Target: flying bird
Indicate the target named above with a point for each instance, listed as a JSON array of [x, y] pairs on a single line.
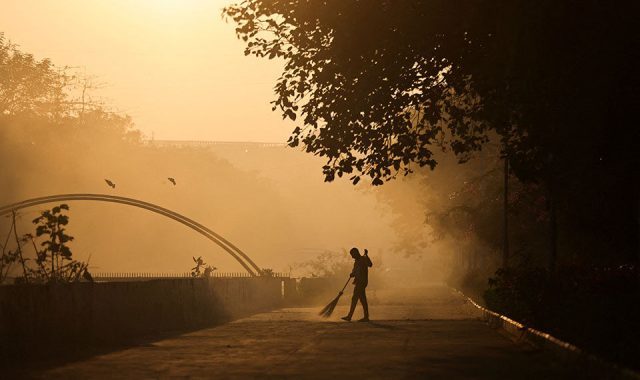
[[172, 181], [111, 184]]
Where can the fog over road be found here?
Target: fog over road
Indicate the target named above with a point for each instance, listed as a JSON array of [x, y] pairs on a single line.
[[427, 333]]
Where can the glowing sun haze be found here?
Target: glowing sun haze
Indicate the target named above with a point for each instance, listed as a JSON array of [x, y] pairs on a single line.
[[175, 66]]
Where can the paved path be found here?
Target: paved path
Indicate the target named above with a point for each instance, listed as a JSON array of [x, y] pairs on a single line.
[[430, 334]]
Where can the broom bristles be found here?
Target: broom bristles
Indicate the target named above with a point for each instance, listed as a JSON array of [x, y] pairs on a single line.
[[328, 310]]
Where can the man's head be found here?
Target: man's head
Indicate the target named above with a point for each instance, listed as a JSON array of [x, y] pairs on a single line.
[[354, 252]]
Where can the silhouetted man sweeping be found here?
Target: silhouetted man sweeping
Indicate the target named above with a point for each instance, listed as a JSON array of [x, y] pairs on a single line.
[[360, 274]]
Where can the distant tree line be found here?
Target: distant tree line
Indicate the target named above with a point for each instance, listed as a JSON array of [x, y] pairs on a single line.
[[35, 92]]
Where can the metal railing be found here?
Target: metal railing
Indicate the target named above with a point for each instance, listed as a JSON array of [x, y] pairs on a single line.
[[142, 276], [204, 143]]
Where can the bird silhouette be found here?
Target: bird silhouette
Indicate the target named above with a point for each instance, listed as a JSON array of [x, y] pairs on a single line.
[[172, 181], [111, 184]]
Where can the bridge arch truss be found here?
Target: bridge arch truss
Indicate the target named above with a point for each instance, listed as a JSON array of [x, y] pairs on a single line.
[[242, 258]]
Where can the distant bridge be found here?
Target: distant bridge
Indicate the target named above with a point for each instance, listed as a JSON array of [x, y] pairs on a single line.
[[231, 249], [205, 143]]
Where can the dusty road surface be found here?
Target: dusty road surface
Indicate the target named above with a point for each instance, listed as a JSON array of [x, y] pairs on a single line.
[[430, 334]]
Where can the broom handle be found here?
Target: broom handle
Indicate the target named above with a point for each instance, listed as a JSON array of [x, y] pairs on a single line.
[[345, 284]]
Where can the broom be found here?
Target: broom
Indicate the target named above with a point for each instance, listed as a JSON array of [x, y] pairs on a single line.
[[328, 310]]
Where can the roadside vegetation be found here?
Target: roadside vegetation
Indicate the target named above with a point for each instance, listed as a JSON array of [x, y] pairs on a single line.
[[44, 256]]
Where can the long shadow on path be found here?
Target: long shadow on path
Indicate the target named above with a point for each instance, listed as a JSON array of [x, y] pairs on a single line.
[[43, 358]]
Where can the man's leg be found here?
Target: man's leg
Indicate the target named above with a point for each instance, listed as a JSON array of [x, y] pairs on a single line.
[[362, 295], [365, 304], [354, 302]]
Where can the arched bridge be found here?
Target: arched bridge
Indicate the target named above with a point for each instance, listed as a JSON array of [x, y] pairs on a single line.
[[231, 249]]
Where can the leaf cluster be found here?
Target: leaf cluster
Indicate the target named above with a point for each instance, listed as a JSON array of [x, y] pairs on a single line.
[[51, 223], [375, 85]]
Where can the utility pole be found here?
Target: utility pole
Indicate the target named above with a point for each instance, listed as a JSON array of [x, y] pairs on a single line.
[[553, 233], [553, 222], [505, 218]]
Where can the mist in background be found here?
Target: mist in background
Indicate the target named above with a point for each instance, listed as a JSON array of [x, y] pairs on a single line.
[[59, 137], [267, 199]]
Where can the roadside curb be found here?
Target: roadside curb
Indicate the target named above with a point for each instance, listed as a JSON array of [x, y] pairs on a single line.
[[566, 352]]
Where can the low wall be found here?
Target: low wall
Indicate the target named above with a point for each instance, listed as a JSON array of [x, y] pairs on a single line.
[[35, 316]]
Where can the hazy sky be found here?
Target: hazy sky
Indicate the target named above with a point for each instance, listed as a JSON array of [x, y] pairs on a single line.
[[175, 66]]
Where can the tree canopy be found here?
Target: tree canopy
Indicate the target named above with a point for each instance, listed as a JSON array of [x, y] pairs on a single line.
[[377, 84]]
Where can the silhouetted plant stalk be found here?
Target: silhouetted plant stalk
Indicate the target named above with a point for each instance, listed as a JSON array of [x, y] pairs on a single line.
[[202, 269], [19, 248], [7, 259]]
